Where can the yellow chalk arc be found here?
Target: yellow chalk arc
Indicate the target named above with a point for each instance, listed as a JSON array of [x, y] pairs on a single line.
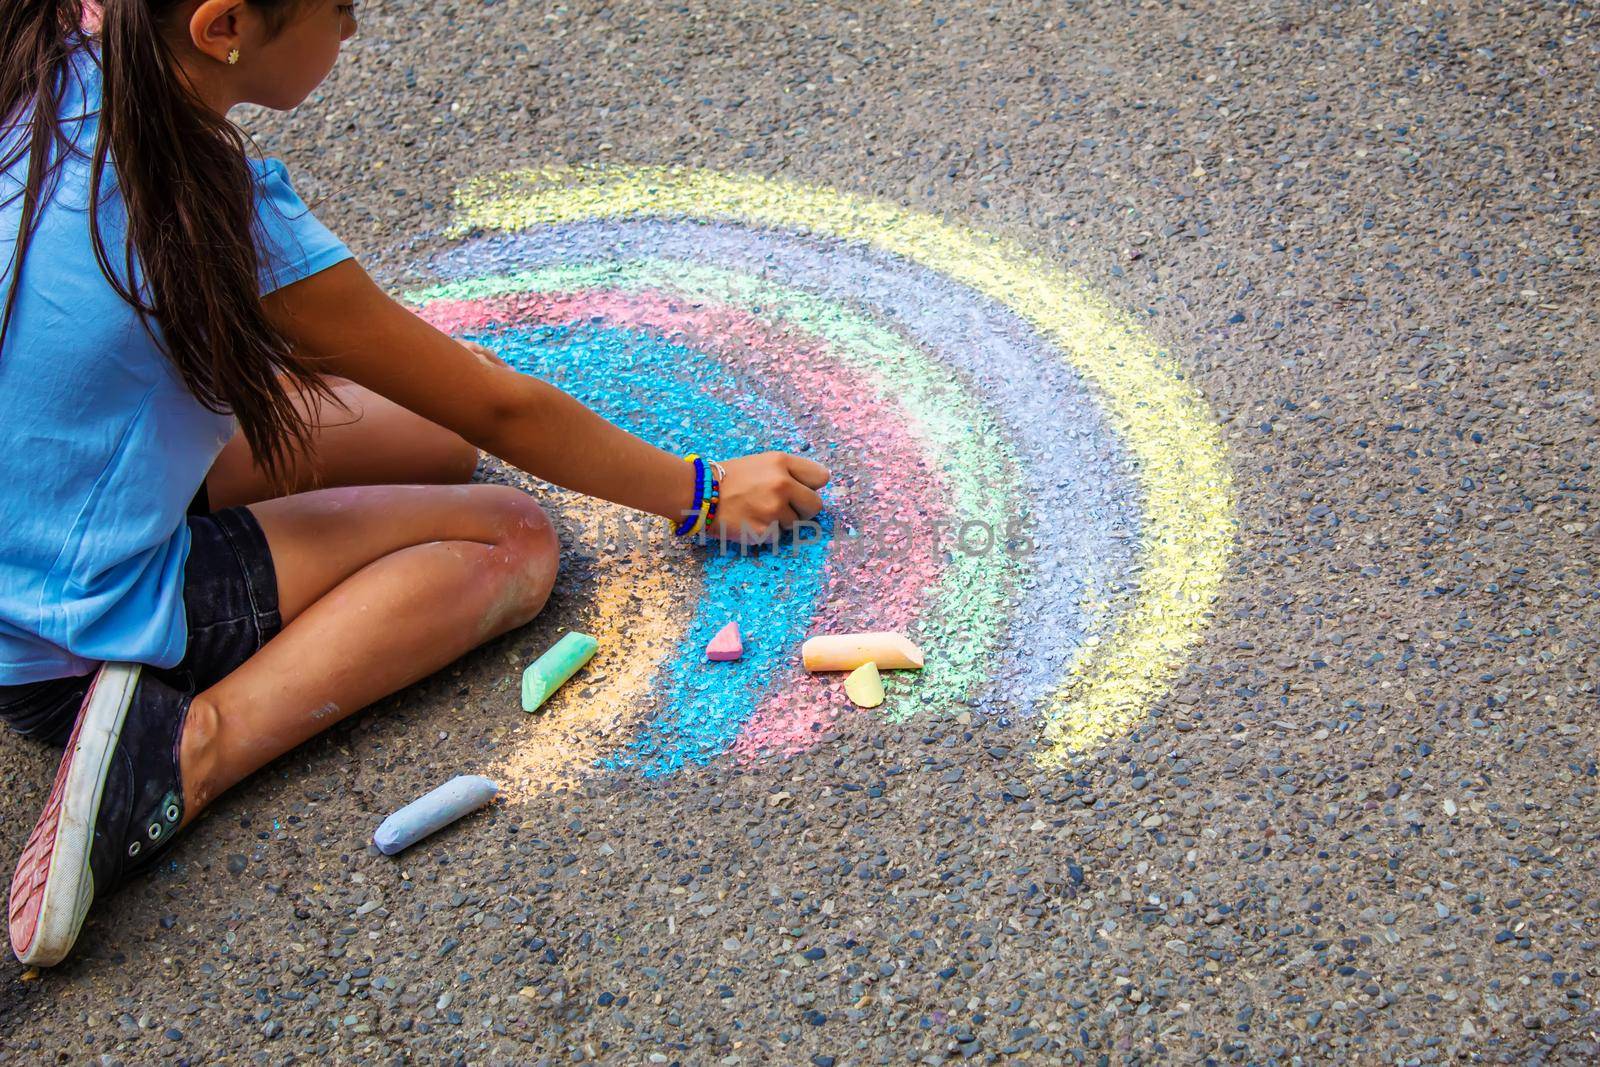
[[638, 615]]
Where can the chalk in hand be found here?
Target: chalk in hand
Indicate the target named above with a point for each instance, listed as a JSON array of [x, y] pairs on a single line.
[[727, 645], [846, 652], [428, 814], [551, 670], [864, 687]]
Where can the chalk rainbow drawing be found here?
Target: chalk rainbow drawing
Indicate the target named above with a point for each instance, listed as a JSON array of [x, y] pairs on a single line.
[[1022, 480]]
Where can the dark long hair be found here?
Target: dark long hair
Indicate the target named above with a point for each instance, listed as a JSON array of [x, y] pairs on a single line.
[[191, 261]]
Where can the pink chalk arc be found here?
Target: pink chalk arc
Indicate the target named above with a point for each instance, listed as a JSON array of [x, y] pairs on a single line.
[[905, 481]]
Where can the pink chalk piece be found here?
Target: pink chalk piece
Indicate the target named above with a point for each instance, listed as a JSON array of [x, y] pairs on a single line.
[[726, 645]]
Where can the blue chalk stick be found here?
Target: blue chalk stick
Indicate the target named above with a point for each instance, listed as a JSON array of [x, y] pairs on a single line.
[[459, 796]]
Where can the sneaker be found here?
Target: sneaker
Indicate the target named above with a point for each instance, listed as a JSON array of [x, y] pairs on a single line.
[[116, 806]]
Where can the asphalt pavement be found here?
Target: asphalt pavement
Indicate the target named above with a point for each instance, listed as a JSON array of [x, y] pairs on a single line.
[[1357, 823]]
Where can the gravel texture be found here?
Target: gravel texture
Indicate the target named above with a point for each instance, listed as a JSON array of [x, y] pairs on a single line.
[[1361, 827]]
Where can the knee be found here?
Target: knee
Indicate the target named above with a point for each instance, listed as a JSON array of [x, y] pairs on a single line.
[[527, 552], [534, 556]]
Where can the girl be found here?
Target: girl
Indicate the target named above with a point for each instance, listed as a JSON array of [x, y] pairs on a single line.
[[163, 290]]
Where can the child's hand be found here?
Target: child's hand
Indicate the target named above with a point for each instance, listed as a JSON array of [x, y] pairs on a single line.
[[763, 490]]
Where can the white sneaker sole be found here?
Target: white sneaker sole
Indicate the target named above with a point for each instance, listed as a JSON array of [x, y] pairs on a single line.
[[68, 887]]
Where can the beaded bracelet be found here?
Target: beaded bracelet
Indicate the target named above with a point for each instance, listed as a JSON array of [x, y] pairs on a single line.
[[693, 518], [707, 483], [702, 512], [712, 499]]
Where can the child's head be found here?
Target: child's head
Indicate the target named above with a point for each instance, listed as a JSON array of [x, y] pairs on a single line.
[[266, 52], [170, 70]]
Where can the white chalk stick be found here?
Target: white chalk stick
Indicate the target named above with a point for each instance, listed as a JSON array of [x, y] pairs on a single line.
[[846, 652], [428, 814]]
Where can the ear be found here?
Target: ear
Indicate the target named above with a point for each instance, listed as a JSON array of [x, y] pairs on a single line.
[[216, 27]]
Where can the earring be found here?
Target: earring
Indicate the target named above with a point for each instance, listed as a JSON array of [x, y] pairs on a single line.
[[233, 57]]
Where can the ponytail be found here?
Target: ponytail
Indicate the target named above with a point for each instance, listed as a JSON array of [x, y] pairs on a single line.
[[36, 39], [191, 259]]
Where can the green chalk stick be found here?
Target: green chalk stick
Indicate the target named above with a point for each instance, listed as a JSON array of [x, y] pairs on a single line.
[[550, 671]]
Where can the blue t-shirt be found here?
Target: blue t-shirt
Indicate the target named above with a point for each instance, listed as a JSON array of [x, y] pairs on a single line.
[[105, 447]]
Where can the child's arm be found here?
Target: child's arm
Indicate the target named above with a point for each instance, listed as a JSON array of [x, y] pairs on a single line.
[[356, 331]]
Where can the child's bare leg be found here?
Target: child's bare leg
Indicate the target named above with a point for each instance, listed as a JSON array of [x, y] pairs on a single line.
[[364, 439], [378, 588]]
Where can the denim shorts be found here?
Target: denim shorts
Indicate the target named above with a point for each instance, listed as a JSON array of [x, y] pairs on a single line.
[[230, 599]]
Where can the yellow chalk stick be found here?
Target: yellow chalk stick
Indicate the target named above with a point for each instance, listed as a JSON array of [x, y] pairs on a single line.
[[864, 687], [846, 652]]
